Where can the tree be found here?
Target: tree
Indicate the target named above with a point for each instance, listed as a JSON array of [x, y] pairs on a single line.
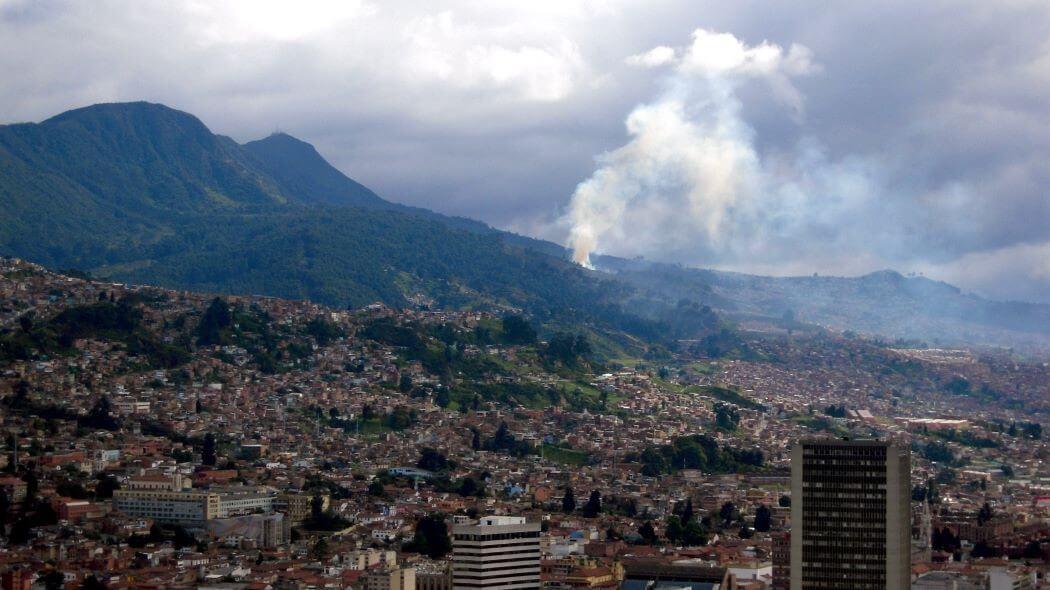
[[432, 460], [101, 416], [54, 580], [208, 450], [647, 533], [470, 487], [568, 501], [593, 507], [431, 537], [475, 439], [316, 506], [320, 549], [726, 417], [763, 518], [503, 436], [727, 513], [404, 384], [693, 534], [367, 412], [981, 550], [984, 514], [216, 318], [687, 512], [674, 530], [376, 489], [517, 330]]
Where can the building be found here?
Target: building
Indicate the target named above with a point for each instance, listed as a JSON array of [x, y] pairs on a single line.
[[1002, 578], [433, 577], [298, 506], [243, 500], [781, 561], [850, 515], [395, 578], [498, 553], [17, 578], [166, 499], [643, 574]]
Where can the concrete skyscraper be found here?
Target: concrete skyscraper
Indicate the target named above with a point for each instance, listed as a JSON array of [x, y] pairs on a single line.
[[499, 553], [850, 515]]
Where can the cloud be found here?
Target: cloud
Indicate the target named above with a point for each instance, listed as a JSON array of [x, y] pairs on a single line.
[[930, 117], [655, 57]]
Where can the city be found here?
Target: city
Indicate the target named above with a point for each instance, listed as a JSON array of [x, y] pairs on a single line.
[[345, 460]]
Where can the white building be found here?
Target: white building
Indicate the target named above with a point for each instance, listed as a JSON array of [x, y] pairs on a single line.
[[498, 553]]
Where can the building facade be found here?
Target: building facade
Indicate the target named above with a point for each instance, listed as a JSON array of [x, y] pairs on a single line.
[[497, 553], [395, 578], [850, 515]]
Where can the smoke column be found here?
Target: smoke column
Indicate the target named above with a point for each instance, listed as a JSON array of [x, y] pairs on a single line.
[[689, 182]]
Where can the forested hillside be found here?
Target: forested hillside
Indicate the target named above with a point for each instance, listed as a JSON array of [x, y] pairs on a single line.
[[144, 193]]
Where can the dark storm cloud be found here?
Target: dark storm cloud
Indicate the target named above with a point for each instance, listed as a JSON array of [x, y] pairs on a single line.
[[498, 111]]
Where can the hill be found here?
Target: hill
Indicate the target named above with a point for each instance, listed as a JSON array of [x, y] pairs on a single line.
[[144, 193], [884, 303]]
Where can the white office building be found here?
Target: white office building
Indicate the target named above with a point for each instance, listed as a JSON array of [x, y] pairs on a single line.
[[497, 553]]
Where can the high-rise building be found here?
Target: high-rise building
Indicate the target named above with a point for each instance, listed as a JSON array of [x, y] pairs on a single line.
[[850, 515], [498, 553]]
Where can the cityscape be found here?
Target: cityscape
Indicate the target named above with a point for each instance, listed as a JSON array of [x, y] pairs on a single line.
[[350, 463]]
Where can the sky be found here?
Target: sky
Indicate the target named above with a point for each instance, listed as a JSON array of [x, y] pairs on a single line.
[[768, 137]]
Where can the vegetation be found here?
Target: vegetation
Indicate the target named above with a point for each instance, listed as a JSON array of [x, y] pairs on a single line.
[[272, 217], [695, 452], [431, 537], [728, 395], [119, 322]]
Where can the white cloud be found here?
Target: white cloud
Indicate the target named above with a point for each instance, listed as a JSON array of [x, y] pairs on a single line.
[[655, 57], [468, 57]]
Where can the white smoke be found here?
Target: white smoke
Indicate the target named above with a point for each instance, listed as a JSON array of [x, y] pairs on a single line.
[[690, 183]]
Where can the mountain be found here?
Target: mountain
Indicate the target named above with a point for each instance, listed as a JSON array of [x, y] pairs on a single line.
[[883, 303], [144, 193]]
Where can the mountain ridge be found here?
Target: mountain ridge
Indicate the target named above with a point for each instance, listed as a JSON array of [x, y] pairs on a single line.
[[147, 193]]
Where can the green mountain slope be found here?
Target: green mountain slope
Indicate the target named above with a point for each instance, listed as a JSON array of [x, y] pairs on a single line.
[[143, 193]]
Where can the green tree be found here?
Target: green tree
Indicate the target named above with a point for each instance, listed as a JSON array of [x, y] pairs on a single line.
[[320, 549], [517, 330], [593, 507], [431, 537], [727, 513], [432, 460], [568, 501], [674, 530], [215, 319], [763, 518], [404, 384], [647, 533], [208, 450]]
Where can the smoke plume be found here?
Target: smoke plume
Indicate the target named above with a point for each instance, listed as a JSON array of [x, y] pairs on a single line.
[[690, 183]]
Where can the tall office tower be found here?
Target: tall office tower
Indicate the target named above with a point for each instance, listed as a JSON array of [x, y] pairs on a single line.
[[498, 553], [850, 515]]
